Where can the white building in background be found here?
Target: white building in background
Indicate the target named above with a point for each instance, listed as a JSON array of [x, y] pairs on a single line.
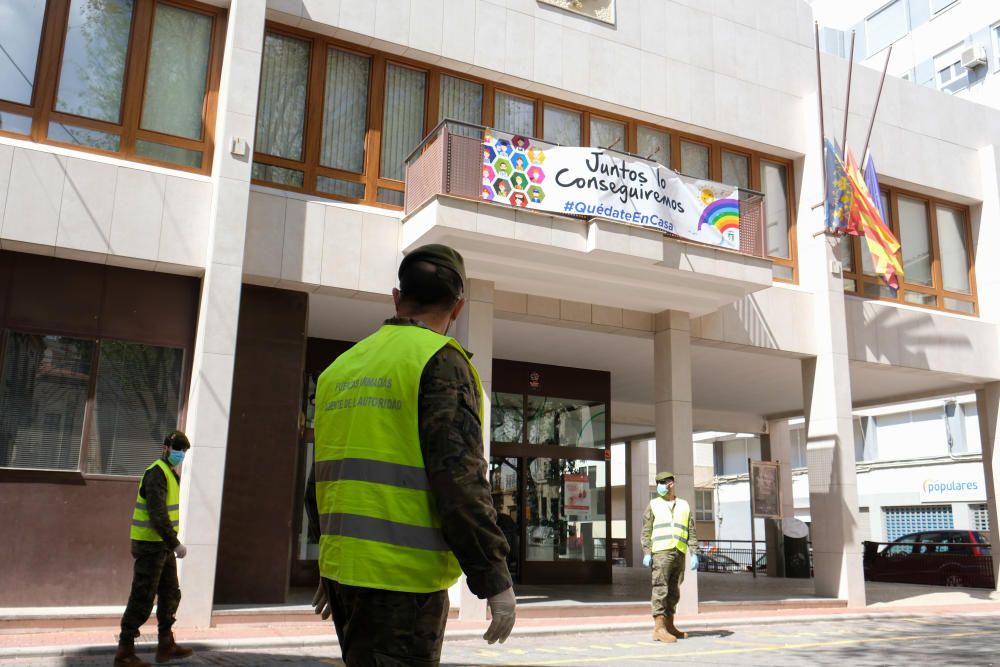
[[918, 465], [950, 45]]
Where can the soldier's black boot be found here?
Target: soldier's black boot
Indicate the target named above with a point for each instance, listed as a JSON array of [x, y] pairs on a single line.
[[168, 650], [126, 657]]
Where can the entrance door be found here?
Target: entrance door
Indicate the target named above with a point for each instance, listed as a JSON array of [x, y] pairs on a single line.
[[550, 447]]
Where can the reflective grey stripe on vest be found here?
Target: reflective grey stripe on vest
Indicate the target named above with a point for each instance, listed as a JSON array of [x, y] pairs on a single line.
[[148, 524], [142, 507], [377, 472], [382, 530]]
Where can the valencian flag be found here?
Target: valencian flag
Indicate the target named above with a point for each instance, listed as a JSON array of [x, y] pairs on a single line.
[[839, 195], [867, 217]]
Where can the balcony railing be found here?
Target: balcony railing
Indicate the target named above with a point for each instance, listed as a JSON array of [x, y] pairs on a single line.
[[449, 161]]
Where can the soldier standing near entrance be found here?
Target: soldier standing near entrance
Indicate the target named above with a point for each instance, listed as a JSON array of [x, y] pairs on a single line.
[[401, 494], [667, 533], [155, 547]]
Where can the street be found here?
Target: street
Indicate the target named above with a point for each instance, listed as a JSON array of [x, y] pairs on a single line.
[[948, 640]]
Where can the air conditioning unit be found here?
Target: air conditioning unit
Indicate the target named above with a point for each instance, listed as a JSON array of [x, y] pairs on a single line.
[[974, 56]]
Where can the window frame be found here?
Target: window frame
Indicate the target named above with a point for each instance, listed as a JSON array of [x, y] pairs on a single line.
[[906, 26], [41, 109], [376, 93], [860, 278], [995, 36]]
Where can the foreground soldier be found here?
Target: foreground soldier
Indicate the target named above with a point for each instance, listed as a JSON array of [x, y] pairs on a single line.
[[404, 505], [667, 532], [155, 547]]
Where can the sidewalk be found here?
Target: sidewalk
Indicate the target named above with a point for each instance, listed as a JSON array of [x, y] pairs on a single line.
[[726, 600]]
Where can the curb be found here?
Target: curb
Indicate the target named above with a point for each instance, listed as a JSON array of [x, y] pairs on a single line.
[[469, 633]]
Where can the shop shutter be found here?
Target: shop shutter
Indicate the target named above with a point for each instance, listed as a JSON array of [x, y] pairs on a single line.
[[901, 521]]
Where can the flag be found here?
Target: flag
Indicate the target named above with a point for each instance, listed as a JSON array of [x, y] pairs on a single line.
[[869, 220], [839, 196], [871, 181]]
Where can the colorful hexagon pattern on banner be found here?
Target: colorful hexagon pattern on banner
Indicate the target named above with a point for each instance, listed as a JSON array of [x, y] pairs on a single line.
[[512, 171]]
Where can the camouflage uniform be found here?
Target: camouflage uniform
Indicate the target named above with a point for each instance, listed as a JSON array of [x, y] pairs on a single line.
[[377, 627], [668, 567], [155, 571]]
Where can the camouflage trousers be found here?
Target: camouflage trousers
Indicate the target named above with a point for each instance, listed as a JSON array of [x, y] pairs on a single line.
[[154, 576], [387, 628], [668, 573]]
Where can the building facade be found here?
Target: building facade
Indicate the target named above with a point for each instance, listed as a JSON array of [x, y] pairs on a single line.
[[203, 204], [950, 45]]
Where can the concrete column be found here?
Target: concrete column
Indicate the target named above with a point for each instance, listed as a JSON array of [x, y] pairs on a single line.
[[474, 330], [215, 340], [675, 420], [776, 445], [826, 383], [637, 483], [988, 406]]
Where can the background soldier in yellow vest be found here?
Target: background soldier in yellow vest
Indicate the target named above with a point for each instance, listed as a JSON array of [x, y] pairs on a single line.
[[401, 494], [667, 534], [155, 547]]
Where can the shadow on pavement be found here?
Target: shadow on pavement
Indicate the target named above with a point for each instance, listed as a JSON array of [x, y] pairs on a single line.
[[709, 633]]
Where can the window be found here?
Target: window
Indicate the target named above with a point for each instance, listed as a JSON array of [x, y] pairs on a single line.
[[56, 389], [602, 10], [514, 114], [653, 144], [562, 126], [980, 517], [950, 76], [703, 506], [996, 47], [935, 249], [461, 100], [402, 124], [774, 185], [694, 159], [938, 6], [607, 134], [123, 77], [886, 26], [735, 169]]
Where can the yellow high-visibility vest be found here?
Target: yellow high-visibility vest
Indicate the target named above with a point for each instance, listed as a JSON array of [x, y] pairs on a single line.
[[142, 529], [378, 524], [670, 526]]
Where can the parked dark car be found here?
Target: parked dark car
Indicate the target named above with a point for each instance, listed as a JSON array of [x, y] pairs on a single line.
[[717, 563], [941, 557]]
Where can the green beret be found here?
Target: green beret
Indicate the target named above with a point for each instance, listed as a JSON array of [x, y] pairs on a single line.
[[440, 255], [663, 476]]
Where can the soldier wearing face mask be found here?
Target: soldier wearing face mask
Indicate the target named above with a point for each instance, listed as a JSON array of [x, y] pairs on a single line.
[[155, 547], [667, 534]]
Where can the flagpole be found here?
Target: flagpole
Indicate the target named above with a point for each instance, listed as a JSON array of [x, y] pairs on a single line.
[[878, 96], [822, 128], [847, 103]]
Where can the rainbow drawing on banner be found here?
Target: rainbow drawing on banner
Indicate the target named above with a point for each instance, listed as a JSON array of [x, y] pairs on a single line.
[[723, 214]]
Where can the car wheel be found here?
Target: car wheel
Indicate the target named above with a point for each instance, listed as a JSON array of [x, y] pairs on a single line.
[[954, 579]]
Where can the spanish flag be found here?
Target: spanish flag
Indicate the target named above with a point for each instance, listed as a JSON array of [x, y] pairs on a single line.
[[867, 219]]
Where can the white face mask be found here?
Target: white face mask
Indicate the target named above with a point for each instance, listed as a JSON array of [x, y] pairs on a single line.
[[661, 489]]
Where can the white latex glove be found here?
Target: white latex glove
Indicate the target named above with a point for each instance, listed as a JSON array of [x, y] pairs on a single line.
[[502, 607], [180, 551], [320, 603], [647, 560]]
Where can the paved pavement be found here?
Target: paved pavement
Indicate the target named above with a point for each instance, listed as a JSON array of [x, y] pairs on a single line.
[[968, 639], [762, 621]]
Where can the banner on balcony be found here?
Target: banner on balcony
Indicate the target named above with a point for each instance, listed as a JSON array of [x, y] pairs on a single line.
[[603, 184]]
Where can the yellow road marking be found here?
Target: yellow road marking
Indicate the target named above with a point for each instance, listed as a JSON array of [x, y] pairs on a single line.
[[739, 643], [761, 649], [601, 648]]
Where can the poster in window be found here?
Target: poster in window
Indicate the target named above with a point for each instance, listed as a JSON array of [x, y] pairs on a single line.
[[577, 498], [764, 481]]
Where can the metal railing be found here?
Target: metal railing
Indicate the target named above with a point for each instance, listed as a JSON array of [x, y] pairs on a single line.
[[449, 161], [936, 563]]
